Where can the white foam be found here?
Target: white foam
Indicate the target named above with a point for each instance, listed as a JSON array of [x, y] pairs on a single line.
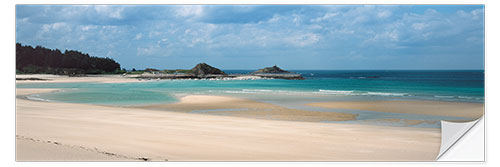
[[340, 92], [230, 91], [358, 93], [258, 90], [385, 94], [249, 77], [321, 92], [445, 97], [37, 98]]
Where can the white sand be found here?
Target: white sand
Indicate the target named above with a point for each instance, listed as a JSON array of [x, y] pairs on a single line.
[[161, 135], [36, 150], [64, 79]]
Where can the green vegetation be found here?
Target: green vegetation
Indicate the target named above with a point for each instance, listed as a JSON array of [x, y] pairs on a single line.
[[40, 60]]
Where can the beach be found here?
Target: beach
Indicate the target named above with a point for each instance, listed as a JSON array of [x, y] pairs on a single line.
[[148, 134], [248, 82], [49, 78]]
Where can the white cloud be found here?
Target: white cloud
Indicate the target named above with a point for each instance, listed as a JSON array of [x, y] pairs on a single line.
[[419, 26], [324, 17], [274, 19], [386, 36], [303, 39], [59, 26], [154, 34], [315, 27], [88, 27], [138, 36], [109, 11], [297, 19], [144, 51], [162, 41], [189, 11], [24, 20], [384, 14], [474, 14]]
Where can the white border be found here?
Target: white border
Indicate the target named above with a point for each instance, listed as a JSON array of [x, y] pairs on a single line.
[[252, 2], [7, 47]]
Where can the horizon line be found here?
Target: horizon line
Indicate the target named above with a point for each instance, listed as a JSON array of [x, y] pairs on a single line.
[[369, 69], [454, 69]]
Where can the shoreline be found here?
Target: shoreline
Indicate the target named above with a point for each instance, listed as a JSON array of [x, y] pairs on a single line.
[[242, 107], [217, 138], [50, 78]]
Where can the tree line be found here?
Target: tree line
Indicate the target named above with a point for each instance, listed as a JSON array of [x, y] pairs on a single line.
[[71, 62]]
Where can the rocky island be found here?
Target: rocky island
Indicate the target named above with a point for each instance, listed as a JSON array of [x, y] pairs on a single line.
[[205, 71], [271, 70], [277, 73]]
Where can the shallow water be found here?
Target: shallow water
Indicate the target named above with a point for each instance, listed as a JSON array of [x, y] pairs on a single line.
[[319, 86], [464, 86]]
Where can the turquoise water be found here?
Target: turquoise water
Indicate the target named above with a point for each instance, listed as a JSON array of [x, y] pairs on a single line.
[[463, 86], [466, 86]]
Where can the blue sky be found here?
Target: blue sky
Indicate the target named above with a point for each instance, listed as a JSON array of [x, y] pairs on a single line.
[[255, 36]]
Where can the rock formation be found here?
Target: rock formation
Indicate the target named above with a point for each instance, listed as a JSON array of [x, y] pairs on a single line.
[[271, 70], [205, 69]]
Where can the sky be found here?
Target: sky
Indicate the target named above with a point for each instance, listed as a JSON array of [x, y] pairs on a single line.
[[326, 37]]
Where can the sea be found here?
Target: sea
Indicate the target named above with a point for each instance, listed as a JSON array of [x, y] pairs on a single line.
[[318, 86]]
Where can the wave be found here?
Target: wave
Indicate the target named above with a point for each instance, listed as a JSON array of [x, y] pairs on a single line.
[[459, 97], [264, 91], [326, 92], [386, 94], [319, 92], [445, 97], [36, 98], [340, 92], [465, 97], [259, 90], [359, 93]]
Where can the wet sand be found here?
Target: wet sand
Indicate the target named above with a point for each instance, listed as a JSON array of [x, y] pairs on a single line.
[[453, 109], [238, 107]]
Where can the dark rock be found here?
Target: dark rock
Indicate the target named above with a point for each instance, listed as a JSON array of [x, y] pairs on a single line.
[[271, 70], [151, 70], [144, 159], [31, 79], [205, 69]]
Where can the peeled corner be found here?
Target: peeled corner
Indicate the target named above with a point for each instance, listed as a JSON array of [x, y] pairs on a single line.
[[462, 141]]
